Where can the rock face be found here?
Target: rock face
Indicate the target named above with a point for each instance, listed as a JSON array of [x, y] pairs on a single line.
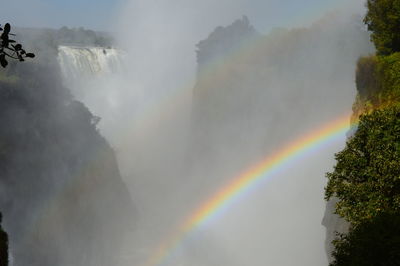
[[243, 75], [254, 92], [224, 40], [62, 196], [334, 224]]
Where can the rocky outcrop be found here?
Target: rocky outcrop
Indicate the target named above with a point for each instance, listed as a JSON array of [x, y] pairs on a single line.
[[334, 225], [61, 191]]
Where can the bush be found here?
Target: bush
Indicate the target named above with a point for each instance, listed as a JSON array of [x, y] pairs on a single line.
[[366, 178], [366, 78], [383, 19], [388, 71], [378, 79], [374, 243]]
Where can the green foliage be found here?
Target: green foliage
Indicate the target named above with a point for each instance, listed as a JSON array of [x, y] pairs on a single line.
[[388, 71], [366, 78], [383, 19], [374, 243], [378, 80], [366, 178]]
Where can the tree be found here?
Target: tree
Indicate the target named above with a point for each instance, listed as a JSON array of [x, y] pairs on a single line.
[[373, 243], [366, 178], [383, 19], [9, 48], [3, 246]]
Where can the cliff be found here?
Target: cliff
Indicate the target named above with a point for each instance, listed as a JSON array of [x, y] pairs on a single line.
[[242, 75], [363, 187], [254, 91], [61, 193]]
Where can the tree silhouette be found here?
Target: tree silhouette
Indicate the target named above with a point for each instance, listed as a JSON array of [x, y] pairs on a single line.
[[3, 246], [10, 48], [375, 242]]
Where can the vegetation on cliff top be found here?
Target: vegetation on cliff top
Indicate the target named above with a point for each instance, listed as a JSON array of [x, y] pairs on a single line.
[[383, 20], [378, 80], [366, 178]]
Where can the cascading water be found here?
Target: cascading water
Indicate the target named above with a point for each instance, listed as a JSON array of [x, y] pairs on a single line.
[[83, 62], [92, 75]]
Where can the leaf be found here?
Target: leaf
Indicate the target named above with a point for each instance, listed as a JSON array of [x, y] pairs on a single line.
[[3, 61], [7, 28], [31, 55], [12, 41], [17, 47], [4, 38]]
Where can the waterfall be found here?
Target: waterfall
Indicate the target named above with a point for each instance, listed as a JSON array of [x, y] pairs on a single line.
[[92, 74], [79, 63]]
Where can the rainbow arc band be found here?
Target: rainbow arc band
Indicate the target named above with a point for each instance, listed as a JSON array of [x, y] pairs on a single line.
[[243, 183]]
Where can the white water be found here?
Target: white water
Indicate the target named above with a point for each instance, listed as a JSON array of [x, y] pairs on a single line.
[[85, 62], [94, 75]]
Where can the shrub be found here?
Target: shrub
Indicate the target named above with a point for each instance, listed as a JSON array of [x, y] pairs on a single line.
[[366, 178], [383, 19], [373, 243], [378, 79]]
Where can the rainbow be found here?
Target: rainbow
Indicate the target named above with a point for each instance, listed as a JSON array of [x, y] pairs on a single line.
[[251, 178]]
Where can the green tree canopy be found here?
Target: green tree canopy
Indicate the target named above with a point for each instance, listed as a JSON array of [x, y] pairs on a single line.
[[383, 19], [373, 243], [366, 178]]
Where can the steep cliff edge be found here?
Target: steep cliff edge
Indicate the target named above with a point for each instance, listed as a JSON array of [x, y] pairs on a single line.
[[334, 224], [254, 91], [364, 185], [243, 75], [62, 196]]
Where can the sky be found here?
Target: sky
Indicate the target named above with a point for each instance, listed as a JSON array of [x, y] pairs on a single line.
[[101, 14]]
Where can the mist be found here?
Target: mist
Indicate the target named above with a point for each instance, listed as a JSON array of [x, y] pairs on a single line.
[[188, 96], [182, 128]]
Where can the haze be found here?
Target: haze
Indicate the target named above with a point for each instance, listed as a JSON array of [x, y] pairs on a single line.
[[181, 135]]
